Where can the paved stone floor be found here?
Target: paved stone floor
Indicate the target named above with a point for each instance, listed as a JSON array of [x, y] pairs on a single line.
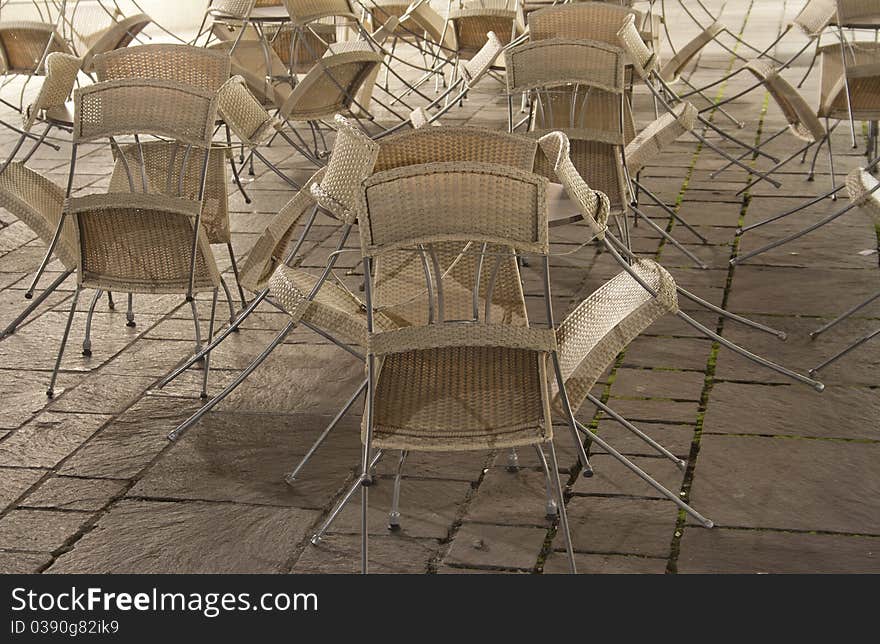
[[89, 483]]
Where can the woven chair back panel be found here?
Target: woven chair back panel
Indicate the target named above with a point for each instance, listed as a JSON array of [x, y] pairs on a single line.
[[61, 73], [634, 45], [463, 144], [242, 112], [305, 11], [593, 20], [858, 12], [555, 62], [328, 89], [87, 23], [470, 31], [434, 25], [23, 45], [38, 203], [140, 250], [815, 16], [354, 155], [164, 165], [205, 69], [455, 201], [232, 8], [163, 109], [863, 75]]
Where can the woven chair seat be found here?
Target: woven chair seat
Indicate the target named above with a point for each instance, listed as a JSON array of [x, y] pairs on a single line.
[[460, 398], [859, 184], [23, 43], [862, 74], [801, 118], [603, 324], [38, 203], [657, 135], [141, 243]]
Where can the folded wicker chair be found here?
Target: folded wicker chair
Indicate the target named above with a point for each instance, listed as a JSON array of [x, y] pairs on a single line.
[[102, 32], [334, 190], [141, 242], [443, 385], [862, 188], [24, 47], [577, 87]]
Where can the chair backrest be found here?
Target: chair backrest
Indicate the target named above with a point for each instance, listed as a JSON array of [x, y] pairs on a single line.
[[643, 60], [23, 45], [472, 19], [593, 20], [815, 16], [456, 144], [243, 113], [303, 12], [861, 77], [137, 106], [351, 161], [61, 73], [854, 13], [576, 86], [427, 19], [197, 67], [468, 377], [800, 116], [236, 9], [141, 243], [331, 86]]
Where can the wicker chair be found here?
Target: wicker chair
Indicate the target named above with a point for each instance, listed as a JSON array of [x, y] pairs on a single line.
[[443, 385], [334, 190], [863, 188], [472, 19], [577, 87], [141, 242], [24, 47]]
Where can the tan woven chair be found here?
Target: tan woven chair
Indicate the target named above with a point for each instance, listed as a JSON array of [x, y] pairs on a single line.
[[449, 385], [578, 87], [472, 19], [50, 105], [24, 47], [334, 190], [141, 242], [862, 188], [37, 202]]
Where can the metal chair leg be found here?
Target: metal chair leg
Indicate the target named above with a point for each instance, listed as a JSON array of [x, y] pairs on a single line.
[[635, 469], [50, 392], [679, 463], [512, 460], [394, 514], [840, 354], [290, 479], [316, 538], [843, 316], [551, 508], [670, 239], [570, 420], [235, 272], [192, 420], [207, 363], [34, 304], [87, 337], [129, 313], [563, 514]]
